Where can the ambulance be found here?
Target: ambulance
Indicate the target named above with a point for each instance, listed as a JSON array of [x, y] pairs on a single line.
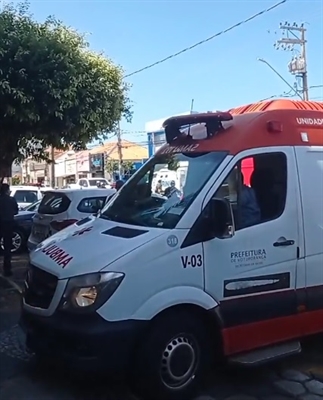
[[232, 271]]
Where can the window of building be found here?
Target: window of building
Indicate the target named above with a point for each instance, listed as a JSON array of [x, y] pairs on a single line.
[[256, 188]]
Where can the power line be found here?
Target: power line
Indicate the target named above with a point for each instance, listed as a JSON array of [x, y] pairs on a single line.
[[207, 39], [316, 86], [289, 95]]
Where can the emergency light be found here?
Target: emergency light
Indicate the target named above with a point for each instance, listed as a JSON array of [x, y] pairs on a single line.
[[213, 124]]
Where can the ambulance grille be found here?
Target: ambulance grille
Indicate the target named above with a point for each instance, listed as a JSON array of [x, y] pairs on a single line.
[[39, 288]]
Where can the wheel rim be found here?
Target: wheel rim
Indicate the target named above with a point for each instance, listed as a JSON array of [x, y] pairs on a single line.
[[179, 362], [16, 242]]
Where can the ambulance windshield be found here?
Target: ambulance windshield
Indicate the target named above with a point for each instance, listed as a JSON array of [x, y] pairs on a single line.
[[162, 190]]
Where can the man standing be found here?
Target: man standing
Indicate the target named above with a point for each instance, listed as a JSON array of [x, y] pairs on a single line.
[[8, 210], [159, 187], [172, 189]]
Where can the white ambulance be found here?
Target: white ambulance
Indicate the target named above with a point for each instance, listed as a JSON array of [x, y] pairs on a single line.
[[232, 270]]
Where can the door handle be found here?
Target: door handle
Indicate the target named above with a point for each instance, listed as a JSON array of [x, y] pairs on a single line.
[[284, 243]]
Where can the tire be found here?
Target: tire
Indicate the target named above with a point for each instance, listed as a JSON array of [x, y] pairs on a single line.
[[173, 359], [19, 238]]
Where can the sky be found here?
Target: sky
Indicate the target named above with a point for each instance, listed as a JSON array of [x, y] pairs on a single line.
[[220, 74]]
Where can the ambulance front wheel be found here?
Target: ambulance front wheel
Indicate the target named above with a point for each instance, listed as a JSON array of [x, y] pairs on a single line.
[[173, 358]]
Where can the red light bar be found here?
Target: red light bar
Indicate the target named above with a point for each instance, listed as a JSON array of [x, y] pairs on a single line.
[[213, 123]]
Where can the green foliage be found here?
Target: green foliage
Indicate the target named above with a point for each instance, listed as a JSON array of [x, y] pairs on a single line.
[[127, 166], [113, 166], [15, 180], [172, 164], [54, 91]]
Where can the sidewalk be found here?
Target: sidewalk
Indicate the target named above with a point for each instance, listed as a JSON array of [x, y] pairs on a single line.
[[10, 292], [19, 268]]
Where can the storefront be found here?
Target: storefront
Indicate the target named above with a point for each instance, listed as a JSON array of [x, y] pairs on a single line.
[[83, 164], [65, 169], [97, 165]]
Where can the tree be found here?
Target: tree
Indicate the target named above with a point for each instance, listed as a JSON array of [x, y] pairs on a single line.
[[16, 180], [112, 166], [172, 164], [54, 91], [127, 167]]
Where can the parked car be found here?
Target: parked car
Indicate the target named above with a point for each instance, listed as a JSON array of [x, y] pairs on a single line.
[[93, 182], [27, 195], [61, 208], [22, 227]]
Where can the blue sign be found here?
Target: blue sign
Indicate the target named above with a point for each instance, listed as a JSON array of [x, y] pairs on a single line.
[[172, 241], [96, 162]]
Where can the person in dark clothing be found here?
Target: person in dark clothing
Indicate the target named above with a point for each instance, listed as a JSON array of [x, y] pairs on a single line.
[[159, 187], [8, 210], [248, 208], [119, 184], [171, 190]]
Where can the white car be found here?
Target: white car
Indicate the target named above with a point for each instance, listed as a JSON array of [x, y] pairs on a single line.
[[26, 195], [92, 182], [61, 208]]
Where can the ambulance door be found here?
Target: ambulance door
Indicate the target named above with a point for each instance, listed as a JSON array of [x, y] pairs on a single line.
[[253, 273], [310, 167]]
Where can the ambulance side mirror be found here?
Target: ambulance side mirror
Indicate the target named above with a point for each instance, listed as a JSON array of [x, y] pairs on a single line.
[[221, 215]]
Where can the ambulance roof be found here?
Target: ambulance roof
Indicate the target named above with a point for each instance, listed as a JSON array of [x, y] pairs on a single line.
[[278, 104], [279, 122]]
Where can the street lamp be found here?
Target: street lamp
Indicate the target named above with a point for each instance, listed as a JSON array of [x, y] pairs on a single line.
[[282, 78]]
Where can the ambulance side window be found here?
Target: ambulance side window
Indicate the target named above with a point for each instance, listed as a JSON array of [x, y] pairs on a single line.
[[256, 188]]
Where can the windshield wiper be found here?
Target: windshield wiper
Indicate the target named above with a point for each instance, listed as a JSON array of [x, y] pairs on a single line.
[[122, 220], [103, 216]]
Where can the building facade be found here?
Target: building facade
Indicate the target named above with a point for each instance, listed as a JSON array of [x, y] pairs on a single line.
[[83, 164], [65, 169]]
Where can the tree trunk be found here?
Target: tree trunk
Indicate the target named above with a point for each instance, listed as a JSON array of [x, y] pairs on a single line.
[[5, 167]]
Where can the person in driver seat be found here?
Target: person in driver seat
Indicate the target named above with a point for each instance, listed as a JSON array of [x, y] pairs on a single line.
[[248, 208], [101, 184]]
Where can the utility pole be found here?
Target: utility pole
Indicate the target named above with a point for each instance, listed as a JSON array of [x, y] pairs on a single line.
[[295, 36], [52, 165], [119, 146]]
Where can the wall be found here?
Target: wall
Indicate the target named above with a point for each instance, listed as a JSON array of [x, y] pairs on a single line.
[[65, 165], [33, 171], [82, 162]]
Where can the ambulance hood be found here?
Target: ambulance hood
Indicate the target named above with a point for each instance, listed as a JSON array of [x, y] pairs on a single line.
[[89, 246]]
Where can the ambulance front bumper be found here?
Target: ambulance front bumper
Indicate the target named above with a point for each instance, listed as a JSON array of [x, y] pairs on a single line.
[[85, 343]]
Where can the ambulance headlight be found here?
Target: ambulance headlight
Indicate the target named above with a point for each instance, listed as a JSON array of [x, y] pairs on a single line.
[[89, 292]]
